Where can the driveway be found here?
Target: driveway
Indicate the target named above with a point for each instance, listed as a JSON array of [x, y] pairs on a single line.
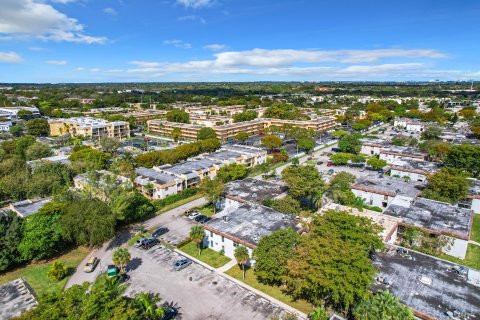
[[179, 227], [196, 291]]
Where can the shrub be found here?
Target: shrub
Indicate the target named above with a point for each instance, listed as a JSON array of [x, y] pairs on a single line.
[[58, 270], [187, 193]]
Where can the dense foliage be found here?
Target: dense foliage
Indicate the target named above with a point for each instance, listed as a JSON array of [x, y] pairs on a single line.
[[177, 154]]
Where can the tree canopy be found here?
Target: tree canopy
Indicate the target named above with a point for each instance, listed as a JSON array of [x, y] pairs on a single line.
[[37, 127], [303, 181], [447, 184], [271, 142], [206, 133], [177, 115], [350, 144]]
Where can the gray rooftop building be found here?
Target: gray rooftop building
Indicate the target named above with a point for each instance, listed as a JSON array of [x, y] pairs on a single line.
[[249, 222], [388, 186], [430, 286], [253, 190], [16, 297], [27, 207], [146, 176], [436, 217]]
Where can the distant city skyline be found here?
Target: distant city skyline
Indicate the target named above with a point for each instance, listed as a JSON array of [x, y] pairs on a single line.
[[228, 40]]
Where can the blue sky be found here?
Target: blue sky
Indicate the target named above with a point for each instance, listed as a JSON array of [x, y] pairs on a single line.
[[232, 40]]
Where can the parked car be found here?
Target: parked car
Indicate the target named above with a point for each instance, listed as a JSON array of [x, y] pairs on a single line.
[[147, 244], [331, 171], [319, 163], [91, 264], [329, 163], [112, 271], [204, 220], [159, 232], [181, 264], [139, 242], [193, 215], [200, 217], [170, 313]]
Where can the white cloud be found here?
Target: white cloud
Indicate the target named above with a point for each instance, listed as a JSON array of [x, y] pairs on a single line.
[[195, 3], [56, 62], [63, 1], [288, 64], [145, 64], [285, 57], [10, 57], [178, 44], [215, 47], [110, 11], [80, 69], [192, 18], [33, 18]]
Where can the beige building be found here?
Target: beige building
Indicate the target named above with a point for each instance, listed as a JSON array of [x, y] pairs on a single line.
[[89, 127], [229, 131]]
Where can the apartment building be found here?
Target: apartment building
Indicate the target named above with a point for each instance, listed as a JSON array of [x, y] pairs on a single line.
[[162, 181], [381, 191], [415, 170], [155, 184], [11, 113], [89, 127], [229, 131], [394, 154]]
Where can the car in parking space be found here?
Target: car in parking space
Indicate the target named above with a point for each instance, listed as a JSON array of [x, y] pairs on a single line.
[[319, 163], [331, 171], [169, 313], [204, 220], [193, 215], [112, 271], [148, 243], [181, 264], [159, 232], [91, 264], [139, 242], [200, 217]]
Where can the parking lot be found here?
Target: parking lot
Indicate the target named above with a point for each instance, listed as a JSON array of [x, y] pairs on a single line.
[[196, 291]]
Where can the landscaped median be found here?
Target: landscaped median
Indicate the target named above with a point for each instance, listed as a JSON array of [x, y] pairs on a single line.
[[176, 200], [274, 292], [36, 273], [208, 256]]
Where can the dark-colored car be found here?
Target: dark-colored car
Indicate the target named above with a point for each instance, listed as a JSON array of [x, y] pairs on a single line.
[[181, 264], [147, 244], [319, 163], [204, 220], [170, 313], [200, 217], [159, 232]]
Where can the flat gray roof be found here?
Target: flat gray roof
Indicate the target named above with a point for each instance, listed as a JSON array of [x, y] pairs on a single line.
[[403, 150], [249, 222], [223, 155], [432, 215], [16, 297], [192, 165], [418, 165], [30, 206], [427, 284], [389, 185], [254, 190], [159, 177]]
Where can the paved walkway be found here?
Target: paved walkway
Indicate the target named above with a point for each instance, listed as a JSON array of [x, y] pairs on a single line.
[[474, 242], [228, 266]]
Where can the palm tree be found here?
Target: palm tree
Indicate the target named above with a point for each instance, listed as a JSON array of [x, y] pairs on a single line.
[[121, 257], [242, 256], [147, 304], [113, 286], [383, 305], [197, 234]]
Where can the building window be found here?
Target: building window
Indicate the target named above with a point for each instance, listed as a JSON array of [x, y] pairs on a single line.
[[223, 239], [211, 234], [211, 243], [235, 244]]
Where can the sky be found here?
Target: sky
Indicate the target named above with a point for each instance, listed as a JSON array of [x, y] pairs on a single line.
[[56, 41]]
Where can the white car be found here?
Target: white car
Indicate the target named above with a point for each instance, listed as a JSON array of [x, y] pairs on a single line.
[[193, 215]]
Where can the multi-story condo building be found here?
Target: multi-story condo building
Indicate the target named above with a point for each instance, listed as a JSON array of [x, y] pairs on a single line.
[[229, 131], [90, 127]]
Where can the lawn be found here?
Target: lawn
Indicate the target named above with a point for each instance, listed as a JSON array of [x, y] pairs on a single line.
[[272, 291], [206, 210], [209, 256], [476, 228], [36, 273], [472, 259], [179, 203]]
